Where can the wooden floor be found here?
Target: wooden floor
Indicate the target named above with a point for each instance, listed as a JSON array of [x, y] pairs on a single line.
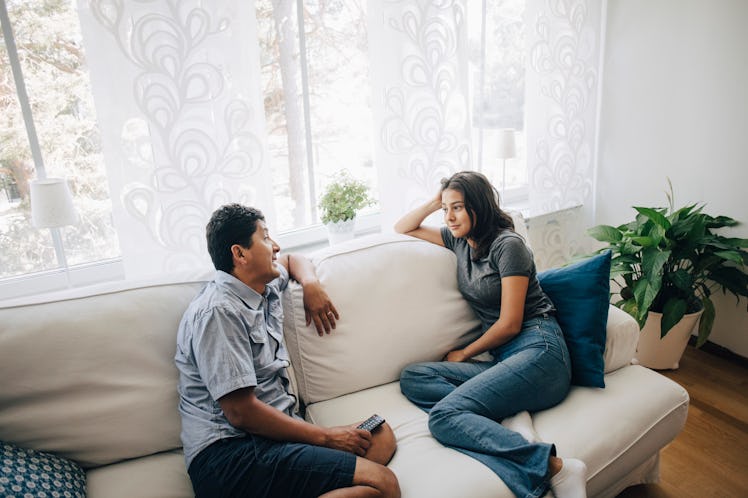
[[710, 457]]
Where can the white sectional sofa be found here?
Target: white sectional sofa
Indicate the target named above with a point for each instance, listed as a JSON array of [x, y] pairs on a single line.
[[90, 377]]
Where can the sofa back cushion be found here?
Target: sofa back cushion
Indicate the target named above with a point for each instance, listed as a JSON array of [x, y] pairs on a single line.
[[93, 378], [398, 303]]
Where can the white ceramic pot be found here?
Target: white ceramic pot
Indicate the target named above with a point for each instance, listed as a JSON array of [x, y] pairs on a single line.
[[664, 353], [340, 231]]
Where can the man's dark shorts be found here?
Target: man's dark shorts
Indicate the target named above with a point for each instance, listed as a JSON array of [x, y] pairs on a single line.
[[262, 468]]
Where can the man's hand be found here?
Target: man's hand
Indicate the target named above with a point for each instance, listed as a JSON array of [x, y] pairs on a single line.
[[348, 438], [319, 308]]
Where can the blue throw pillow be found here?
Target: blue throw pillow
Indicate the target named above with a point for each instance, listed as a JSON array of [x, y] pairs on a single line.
[[30, 473], [581, 294]]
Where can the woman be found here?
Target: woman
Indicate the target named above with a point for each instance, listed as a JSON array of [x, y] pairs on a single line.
[[467, 400]]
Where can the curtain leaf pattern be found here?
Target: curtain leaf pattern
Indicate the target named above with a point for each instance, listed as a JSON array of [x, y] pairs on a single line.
[[183, 129], [181, 133], [563, 71], [419, 68], [564, 40]]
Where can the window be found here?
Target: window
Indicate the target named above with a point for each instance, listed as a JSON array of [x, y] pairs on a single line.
[[497, 72], [317, 100], [48, 128], [316, 85]]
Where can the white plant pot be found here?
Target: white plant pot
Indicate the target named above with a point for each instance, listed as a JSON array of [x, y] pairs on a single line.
[[340, 231], [664, 353]]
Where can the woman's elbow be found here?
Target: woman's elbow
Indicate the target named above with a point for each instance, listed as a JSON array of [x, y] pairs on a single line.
[[399, 228]]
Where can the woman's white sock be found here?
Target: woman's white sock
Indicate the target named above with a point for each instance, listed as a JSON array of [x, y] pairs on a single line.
[[571, 481]]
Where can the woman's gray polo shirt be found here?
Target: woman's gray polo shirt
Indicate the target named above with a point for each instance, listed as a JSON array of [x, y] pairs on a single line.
[[229, 338]]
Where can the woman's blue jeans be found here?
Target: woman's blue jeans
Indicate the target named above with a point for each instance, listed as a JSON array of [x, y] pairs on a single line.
[[467, 401]]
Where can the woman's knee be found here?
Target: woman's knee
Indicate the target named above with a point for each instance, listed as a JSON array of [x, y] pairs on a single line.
[[412, 377], [440, 418]]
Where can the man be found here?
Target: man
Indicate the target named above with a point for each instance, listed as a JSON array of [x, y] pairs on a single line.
[[239, 432]]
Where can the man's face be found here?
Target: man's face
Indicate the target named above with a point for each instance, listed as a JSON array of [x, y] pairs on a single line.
[[262, 255]]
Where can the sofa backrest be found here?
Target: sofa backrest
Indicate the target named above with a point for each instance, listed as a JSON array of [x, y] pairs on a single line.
[[398, 303], [93, 378]]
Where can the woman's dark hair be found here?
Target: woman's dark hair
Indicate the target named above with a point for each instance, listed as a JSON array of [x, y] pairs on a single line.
[[482, 204], [230, 224]]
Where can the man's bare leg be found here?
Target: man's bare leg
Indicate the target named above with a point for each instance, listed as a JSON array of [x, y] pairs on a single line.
[[370, 480], [383, 445]]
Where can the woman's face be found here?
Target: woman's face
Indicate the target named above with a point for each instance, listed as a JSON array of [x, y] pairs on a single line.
[[456, 216]]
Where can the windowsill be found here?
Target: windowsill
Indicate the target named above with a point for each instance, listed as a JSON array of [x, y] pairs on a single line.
[[80, 276], [60, 280]]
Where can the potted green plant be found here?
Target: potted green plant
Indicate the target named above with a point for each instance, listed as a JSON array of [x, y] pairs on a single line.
[[667, 262], [339, 204]]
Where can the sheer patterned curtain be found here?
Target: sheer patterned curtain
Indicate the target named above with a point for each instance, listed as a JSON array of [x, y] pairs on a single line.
[[564, 42], [419, 66], [419, 84], [565, 39], [177, 88]]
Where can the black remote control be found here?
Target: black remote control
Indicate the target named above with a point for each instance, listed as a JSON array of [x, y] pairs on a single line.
[[371, 423]]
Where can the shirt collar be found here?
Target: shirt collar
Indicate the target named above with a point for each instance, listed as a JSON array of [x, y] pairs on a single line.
[[241, 290]]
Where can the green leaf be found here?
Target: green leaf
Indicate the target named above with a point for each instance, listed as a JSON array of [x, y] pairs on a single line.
[[652, 262], [721, 221], [734, 241], [657, 234], [682, 279], [655, 215], [731, 279], [672, 313], [643, 241], [629, 306], [645, 292], [706, 322], [605, 233], [733, 256]]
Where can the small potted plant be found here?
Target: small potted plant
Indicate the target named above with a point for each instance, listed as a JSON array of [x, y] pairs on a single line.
[[667, 262], [339, 204]]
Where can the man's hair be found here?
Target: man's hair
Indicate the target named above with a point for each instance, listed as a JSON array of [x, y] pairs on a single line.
[[482, 204], [230, 224]]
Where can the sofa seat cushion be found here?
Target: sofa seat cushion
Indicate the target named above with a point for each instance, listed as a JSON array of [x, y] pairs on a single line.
[[156, 476], [29, 473], [614, 429], [422, 465]]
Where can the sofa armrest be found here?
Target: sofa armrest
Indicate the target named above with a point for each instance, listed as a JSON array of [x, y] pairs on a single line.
[[622, 336]]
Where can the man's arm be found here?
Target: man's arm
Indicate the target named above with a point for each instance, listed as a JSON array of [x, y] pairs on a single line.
[[317, 304], [244, 411]]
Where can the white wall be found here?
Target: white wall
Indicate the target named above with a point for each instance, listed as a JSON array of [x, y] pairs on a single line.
[[675, 104]]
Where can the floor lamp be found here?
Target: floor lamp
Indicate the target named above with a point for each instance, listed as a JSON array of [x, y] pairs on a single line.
[[52, 207], [507, 149]]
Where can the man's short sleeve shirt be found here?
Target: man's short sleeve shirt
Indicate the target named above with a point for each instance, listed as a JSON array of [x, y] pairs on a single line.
[[229, 338]]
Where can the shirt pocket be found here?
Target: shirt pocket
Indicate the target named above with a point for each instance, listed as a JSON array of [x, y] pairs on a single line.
[[257, 336]]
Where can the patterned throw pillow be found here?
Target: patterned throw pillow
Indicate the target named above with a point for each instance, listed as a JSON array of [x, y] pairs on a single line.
[[28, 473]]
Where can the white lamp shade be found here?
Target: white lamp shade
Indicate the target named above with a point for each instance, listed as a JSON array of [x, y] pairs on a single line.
[[507, 146], [52, 203]]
